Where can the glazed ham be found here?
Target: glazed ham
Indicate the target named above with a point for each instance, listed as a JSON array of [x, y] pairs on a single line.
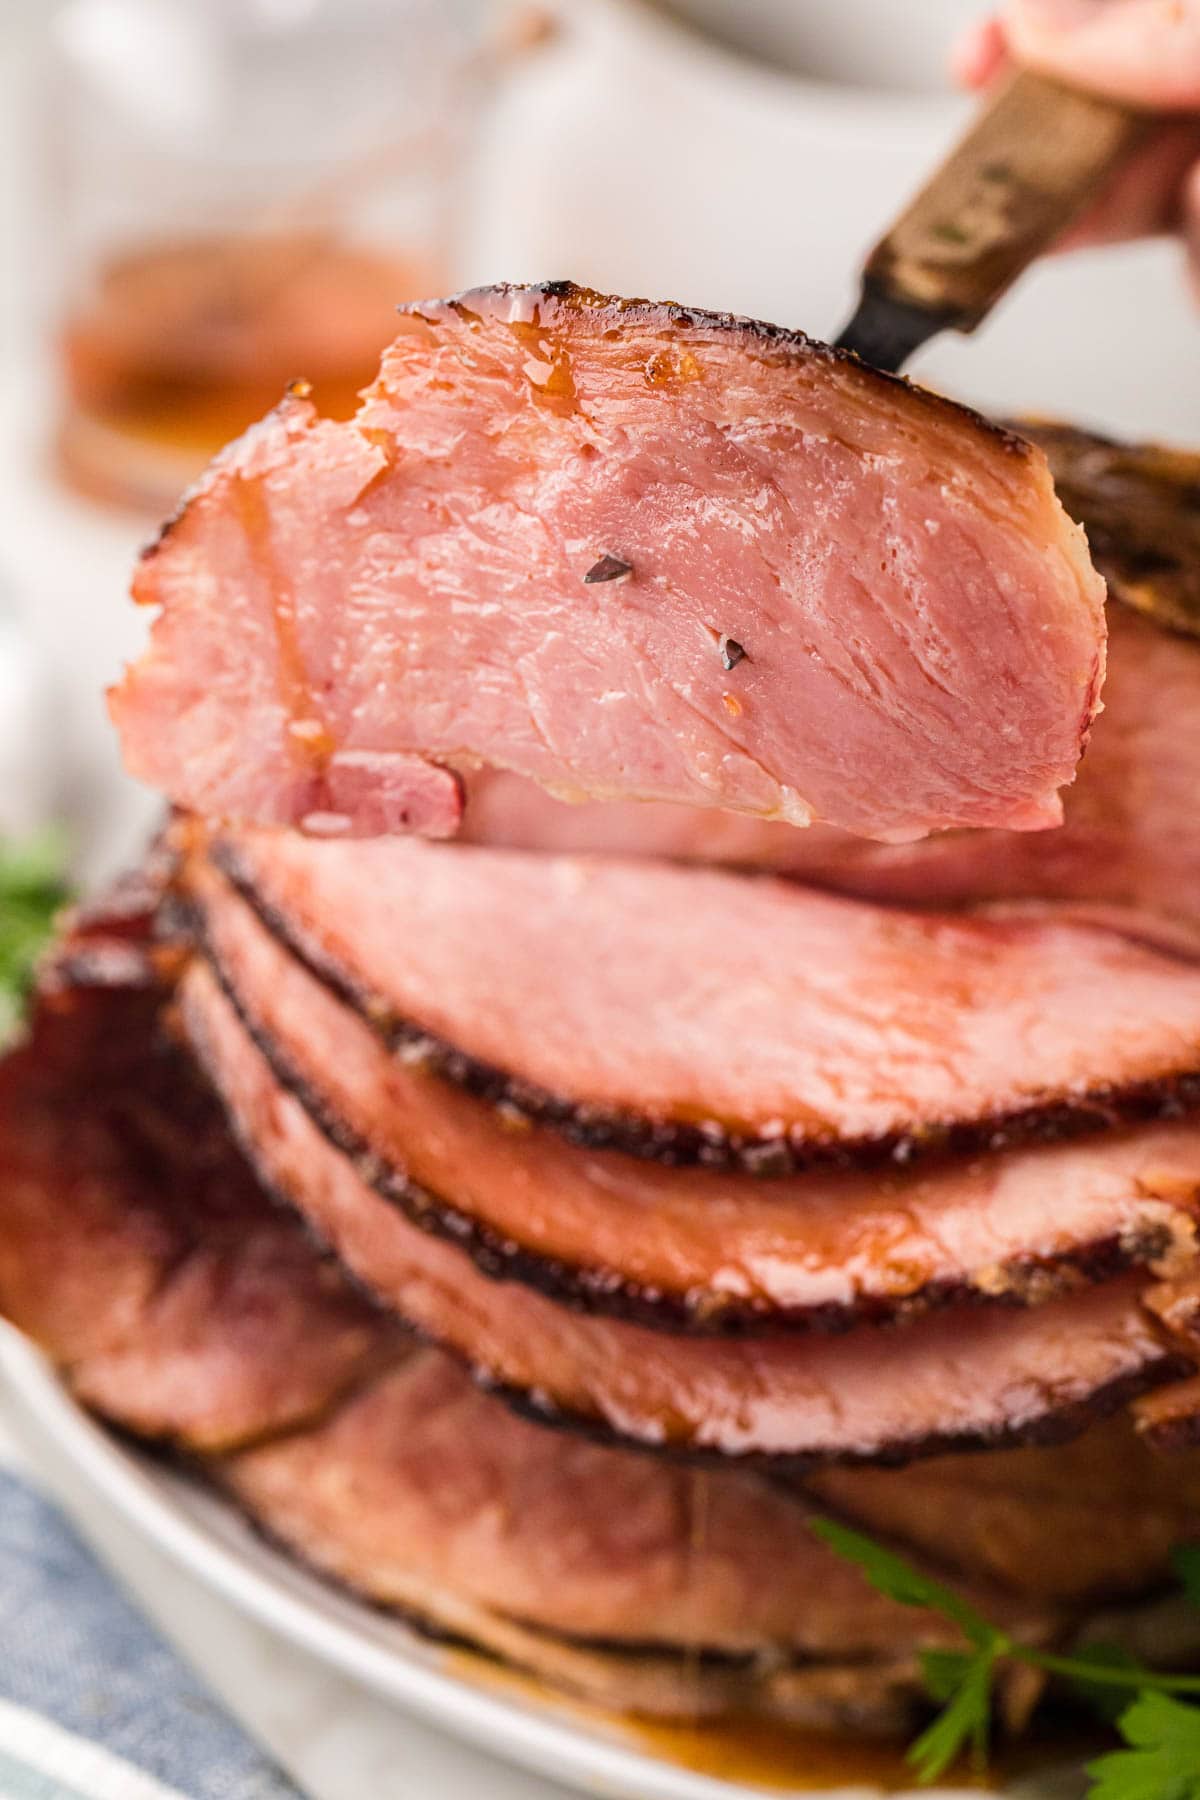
[[696, 1015], [626, 1579], [686, 1248], [640, 1585], [1121, 853], [629, 551], [965, 1377]]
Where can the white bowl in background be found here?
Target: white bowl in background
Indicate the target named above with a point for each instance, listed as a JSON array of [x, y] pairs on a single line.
[[640, 155]]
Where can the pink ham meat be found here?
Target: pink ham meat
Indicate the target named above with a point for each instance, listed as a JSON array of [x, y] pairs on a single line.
[[495, 1503], [135, 1244], [636, 1584], [833, 596], [1127, 851], [697, 1248], [965, 1377], [703, 1016]]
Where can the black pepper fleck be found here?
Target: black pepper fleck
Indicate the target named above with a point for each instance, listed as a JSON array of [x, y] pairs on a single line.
[[609, 568], [732, 652]]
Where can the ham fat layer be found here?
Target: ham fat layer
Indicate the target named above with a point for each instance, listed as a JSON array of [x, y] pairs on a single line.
[[629, 551], [698, 1015], [698, 1249]]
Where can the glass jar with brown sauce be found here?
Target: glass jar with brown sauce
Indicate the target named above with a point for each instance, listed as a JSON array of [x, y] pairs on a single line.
[[239, 192]]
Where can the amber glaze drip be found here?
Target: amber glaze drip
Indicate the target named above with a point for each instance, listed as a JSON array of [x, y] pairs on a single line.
[[547, 366], [763, 1754], [308, 737], [774, 1757]]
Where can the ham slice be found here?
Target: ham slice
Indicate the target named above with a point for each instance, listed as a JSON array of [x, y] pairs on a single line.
[[1124, 852], [705, 1016], [965, 1377], [134, 1242], [648, 1589], [672, 1556], [697, 1249], [629, 551]]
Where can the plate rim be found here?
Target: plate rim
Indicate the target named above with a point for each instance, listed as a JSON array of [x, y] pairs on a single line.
[[520, 1733]]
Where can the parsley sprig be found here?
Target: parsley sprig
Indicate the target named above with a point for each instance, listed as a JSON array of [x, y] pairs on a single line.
[[32, 888], [1161, 1758]]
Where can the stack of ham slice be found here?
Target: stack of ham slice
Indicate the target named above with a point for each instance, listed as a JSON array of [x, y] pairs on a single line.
[[643, 1175], [137, 1246], [964, 1163]]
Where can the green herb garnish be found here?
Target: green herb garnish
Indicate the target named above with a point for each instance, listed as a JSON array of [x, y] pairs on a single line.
[[1161, 1760], [33, 887]]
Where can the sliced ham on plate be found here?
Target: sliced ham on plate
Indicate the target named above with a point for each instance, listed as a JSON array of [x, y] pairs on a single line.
[[137, 1248], [693, 1248], [965, 1377], [706, 1016], [630, 551]]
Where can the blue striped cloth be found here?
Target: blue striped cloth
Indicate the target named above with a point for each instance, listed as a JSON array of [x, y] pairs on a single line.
[[94, 1705]]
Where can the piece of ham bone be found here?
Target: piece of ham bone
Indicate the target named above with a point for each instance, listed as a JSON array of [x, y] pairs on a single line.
[[633, 552]]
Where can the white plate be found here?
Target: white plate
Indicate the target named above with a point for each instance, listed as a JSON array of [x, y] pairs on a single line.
[[213, 1541]]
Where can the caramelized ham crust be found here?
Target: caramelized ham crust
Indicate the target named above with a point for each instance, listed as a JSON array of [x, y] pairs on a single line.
[[630, 551], [696, 1248], [964, 1377], [695, 1015]]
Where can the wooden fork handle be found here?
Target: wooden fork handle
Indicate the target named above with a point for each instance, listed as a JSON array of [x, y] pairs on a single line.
[[1024, 171]]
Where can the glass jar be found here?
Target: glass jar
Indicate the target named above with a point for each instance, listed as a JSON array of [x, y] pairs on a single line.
[[241, 191]]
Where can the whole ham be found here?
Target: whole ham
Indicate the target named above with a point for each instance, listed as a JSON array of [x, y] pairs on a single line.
[[630, 551]]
